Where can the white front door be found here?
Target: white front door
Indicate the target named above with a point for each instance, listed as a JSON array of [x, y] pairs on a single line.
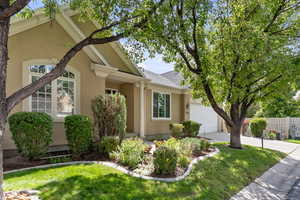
[[205, 116]]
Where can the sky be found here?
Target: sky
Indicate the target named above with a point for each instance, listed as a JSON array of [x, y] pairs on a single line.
[[155, 64]]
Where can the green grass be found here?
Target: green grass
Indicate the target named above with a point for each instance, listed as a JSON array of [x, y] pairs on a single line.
[[215, 178], [293, 141]]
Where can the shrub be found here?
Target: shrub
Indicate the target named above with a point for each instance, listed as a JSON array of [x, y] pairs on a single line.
[[130, 152], [108, 144], [165, 160], [191, 128], [257, 126], [195, 145], [176, 130], [79, 134], [110, 115], [32, 133], [205, 145], [272, 135]]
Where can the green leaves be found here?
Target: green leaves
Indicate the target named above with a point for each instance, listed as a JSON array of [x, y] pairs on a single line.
[[239, 51]]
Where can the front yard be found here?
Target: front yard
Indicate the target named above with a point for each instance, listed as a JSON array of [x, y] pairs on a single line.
[[214, 178]]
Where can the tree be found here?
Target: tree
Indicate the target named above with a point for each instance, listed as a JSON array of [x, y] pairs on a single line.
[[280, 106], [117, 19], [231, 53]]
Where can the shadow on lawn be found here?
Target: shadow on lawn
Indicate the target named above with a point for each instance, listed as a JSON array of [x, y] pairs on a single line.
[[215, 178]]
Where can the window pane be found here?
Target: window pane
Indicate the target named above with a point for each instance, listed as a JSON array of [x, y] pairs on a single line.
[[65, 97], [168, 106], [161, 104], [155, 105], [41, 100]]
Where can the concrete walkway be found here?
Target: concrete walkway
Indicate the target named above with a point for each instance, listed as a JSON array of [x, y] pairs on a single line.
[[281, 182]]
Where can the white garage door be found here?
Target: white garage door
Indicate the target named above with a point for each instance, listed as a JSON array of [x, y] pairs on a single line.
[[205, 116]]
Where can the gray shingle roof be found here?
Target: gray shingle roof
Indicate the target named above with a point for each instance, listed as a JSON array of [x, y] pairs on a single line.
[[161, 79]]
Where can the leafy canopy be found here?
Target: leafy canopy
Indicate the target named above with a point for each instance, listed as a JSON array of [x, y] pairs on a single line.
[[231, 53]]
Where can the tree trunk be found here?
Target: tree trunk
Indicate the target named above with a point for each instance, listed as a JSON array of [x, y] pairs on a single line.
[[4, 29], [235, 136], [2, 130]]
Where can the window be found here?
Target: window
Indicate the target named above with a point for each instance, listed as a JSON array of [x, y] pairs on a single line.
[[111, 91], [56, 98], [161, 106]]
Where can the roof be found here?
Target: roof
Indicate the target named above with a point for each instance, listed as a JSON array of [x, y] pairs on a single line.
[[160, 79]]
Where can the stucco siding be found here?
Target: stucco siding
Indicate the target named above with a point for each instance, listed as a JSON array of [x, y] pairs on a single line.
[[154, 126], [49, 41]]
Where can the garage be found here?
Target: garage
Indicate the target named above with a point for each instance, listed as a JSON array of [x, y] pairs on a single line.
[[205, 116]]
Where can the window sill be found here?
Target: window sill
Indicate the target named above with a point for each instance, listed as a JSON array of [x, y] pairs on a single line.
[[161, 119]]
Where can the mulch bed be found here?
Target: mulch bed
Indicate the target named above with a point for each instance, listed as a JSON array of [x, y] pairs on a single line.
[[19, 162]]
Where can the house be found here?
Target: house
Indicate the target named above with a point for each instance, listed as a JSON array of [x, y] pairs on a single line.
[[204, 115], [36, 44]]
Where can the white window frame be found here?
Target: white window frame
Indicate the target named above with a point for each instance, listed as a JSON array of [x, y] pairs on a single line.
[[112, 90], [161, 118], [27, 79]]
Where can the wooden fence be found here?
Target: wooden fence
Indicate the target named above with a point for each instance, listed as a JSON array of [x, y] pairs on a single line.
[[285, 126]]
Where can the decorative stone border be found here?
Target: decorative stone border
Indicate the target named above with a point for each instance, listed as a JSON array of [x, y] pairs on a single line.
[[33, 194], [124, 170]]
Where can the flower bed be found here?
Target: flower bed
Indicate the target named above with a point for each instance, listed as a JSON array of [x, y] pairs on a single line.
[[163, 158]]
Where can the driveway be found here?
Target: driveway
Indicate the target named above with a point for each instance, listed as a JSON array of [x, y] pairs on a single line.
[[281, 182]]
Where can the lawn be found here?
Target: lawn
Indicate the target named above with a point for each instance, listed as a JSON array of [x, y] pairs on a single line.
[[293, 141], [215, 178]]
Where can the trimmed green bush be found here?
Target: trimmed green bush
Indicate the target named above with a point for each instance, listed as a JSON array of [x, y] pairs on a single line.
[[195, 144], [191, 128], [165, 160], [258, 126], [205, 145], [78, 130], [176, 130], [130, 153], [110, 115], [32, 133], [108, 144]]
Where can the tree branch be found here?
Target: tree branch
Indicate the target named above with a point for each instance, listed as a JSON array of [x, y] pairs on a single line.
[[275, 16], [25, 92], [16, 7]]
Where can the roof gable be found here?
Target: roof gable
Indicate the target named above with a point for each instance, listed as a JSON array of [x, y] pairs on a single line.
[[64, 18]]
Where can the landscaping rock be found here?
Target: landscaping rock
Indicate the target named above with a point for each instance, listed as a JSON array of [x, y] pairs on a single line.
[[22, 195]]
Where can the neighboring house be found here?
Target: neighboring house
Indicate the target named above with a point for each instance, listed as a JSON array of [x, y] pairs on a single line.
[[36, 44]]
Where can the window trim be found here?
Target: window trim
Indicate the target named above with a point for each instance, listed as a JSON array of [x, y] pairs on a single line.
[[161, 118], [27, 76], [112, 90]]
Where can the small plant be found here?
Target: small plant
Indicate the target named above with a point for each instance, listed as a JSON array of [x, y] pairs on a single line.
[[176, 130], [272, 135], [108, 144], [205, 145], [191, 128], [165, 160], [130, 153], [32, 133], [258, 126], [195, 145], [79, 134], [183, 161]]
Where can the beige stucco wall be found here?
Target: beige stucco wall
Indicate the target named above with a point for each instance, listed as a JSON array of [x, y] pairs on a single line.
[[153, 126], [49, 41]]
